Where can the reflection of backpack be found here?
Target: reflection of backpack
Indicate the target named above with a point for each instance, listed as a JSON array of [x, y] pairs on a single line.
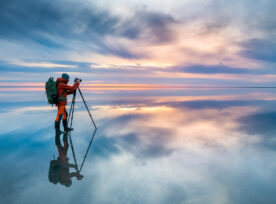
[[51, 91], [54, 172]]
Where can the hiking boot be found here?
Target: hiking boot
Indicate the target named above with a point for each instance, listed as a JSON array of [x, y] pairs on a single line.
[[65, 126]]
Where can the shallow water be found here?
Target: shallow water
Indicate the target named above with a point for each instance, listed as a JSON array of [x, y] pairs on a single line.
[[151, 146]]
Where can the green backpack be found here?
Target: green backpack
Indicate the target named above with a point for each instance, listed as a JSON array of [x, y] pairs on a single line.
[[51, 91]]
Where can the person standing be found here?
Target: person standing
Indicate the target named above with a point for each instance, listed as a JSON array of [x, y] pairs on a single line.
[[63, 91]]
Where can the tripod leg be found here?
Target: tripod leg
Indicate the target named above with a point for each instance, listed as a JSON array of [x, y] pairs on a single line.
[[88, 149], [93, 132], [87, 108], [70, 118], [73, 151], [71, 108]]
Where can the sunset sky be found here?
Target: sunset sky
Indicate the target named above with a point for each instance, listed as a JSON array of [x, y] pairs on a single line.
[[176, 42], [182, 93]]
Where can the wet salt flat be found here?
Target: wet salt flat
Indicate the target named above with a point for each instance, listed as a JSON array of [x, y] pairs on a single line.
[[152, 146]]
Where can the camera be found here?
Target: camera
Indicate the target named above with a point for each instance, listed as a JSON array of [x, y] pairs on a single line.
[[78, 79]]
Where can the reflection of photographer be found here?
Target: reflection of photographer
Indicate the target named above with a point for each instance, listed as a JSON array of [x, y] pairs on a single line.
[[59, 170]]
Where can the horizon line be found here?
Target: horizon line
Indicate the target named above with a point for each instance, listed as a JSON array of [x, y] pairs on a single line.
[[113, 86]]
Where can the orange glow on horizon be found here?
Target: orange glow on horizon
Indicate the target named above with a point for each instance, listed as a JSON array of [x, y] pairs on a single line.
[[40, 86], [96, 86]]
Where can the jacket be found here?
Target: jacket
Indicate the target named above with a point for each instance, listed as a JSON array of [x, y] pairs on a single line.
[[64, 90]]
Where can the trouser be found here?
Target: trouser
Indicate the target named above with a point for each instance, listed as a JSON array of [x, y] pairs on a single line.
[[61, 113], [62, 150]]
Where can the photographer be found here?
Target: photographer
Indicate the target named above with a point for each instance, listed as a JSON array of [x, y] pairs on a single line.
[[63, 91]]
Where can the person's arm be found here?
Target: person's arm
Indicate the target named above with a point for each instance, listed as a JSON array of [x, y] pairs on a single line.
[[72, 165], [70, 92], [76, 174], [70, 88]]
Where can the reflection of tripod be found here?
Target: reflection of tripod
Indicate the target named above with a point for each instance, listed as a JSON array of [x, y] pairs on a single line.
[[70, 121]]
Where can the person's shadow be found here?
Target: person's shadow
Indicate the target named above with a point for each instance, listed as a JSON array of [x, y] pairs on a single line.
[[59, 170]]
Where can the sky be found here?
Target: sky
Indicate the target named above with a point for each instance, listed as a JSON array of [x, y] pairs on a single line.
[[176, 42], [183, 142]]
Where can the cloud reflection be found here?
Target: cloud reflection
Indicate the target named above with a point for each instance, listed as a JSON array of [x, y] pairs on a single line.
[[182, 149]]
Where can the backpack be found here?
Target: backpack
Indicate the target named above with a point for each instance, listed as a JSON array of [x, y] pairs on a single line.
[[51, 91]]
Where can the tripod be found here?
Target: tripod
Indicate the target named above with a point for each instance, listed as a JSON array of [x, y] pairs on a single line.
[[70, 121]]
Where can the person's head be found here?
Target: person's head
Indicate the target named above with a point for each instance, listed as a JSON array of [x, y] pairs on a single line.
[[65, 76]]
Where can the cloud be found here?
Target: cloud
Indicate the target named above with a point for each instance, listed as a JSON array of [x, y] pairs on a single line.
[[210, 104], [148, 143], [149, 26], [39, 18], [55, 24], [196, 172], [60, 24], [104, 146], [202, 37], [263, 125], [260, 123], [260, 49], [26, 68], [215, 69], [153, 147]]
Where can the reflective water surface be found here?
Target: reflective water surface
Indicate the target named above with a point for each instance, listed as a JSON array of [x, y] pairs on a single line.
[[151, 146]]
